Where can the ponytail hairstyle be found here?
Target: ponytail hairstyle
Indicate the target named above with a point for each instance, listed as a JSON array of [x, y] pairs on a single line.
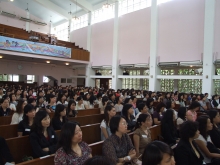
[[142, 118]]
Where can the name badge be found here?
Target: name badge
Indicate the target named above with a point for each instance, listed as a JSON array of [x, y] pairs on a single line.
[[144, 136], [52, 136], [28, 130]]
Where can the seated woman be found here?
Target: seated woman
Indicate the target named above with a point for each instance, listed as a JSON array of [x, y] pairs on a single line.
[[59, 118], [171, 105], [142, 134], [118, 105], [181, 117], [168, 129], [180, 99], [210, 153], [158, 153], [80, 105], [142, 110], [72, 150], [127, 112], [24, 127], [52, 104], [97, 160], [18, 115], [13, 102], [105, 129], [71, 112], [62, 99], [86, 101], [103, 104], [149, 104], [158, 113], [215, 133], [5, 155], [4, 110], [186, 151], [43, 139], [118, 148], [214, 103], [191, 113], [40, 102]]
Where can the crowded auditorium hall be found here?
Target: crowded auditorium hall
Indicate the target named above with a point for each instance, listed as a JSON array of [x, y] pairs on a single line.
[[109, 82]]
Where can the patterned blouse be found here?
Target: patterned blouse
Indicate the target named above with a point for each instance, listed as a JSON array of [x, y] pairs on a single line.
[[61, 158], [115, 147]]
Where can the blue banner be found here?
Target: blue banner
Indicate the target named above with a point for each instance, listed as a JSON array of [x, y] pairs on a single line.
[[18, 45]]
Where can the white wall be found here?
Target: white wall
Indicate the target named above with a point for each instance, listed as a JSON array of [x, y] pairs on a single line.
[[134, 37], [8, 7], [79, 36], [39, 70], [181, 30], [217, 30], [102, 43]]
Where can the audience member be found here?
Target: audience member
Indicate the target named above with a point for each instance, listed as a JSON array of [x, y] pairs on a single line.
[[105, 129], [71, 112], [24, 127], [80, 105], [203, 106], [118, 105], [181, 116], [149, 104], [71, 148], [158, 113], [43, 139], [5, 155], [142, 110], [52, 104], [97, 160], [59, 118], [127, 112], [118, 148], [191, 113], [4, 108], [18, 115]]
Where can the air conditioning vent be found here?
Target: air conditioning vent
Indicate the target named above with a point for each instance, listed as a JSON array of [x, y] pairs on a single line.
[[126, 66], [191, 63], [141, 65], [168, 64], [25, 19], [8, 14], [40, 23]]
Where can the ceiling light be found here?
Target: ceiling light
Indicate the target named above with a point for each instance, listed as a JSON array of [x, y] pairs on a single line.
[[11, 0], [1, 57], [47, 62], [67, 63], [75, 18], [106, 5], [191, 66]]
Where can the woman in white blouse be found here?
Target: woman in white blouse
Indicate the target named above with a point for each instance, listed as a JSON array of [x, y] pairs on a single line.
[[86, 100], [79, 105], [18, 115]]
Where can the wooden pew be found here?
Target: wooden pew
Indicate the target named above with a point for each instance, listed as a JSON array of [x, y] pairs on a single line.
[[88, 119], [155, 132], [49, 160], [10, 131], [88, 112], [20, 146], [5, 120], [86, 133]]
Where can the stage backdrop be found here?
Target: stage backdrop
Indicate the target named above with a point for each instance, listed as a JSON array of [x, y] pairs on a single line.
[[18, 45]]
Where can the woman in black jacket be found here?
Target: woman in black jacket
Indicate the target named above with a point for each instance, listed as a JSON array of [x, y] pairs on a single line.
[[187, 152], [43, 139], [168, 129], [215, 132], [59, 118]]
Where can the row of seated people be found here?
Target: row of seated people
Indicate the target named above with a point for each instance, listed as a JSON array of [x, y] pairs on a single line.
[[194, 146]]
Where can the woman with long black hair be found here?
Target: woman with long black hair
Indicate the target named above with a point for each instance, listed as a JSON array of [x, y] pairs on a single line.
[[59, 118]]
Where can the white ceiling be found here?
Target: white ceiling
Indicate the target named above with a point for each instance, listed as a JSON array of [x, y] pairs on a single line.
[[56, 10]]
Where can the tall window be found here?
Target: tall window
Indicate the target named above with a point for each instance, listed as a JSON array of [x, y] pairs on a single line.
[[9, 77], [167, 85], [80, 23], [217, 83], [61, 31], [131, 82], [30, 79], [189, 85], [103, 14], [128, 6]]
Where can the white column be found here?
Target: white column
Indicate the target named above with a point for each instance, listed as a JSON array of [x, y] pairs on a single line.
[[89, 70], [27, 26], [154, 84], [116, 70], [51, 28], [208, 67]]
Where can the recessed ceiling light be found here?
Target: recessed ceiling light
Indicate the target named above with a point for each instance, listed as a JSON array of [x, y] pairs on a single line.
[[11, 0], [191, 66], [48, 62], [67, 63], [1, 57]]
